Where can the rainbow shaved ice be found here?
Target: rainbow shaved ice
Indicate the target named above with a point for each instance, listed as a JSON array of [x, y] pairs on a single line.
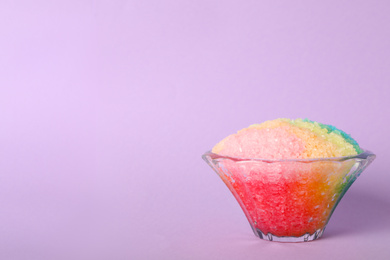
[[288, 139], [283, 195]]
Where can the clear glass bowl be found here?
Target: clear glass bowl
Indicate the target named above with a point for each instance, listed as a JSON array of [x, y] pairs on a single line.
[[289, 200]]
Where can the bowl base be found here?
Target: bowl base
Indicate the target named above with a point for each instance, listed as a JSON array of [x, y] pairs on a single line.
[[304, 238]]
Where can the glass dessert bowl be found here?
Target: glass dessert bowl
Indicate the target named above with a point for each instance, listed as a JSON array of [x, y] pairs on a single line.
[[289, 200]]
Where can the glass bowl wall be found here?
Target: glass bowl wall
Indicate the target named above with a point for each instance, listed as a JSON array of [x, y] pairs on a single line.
[[288, 200]]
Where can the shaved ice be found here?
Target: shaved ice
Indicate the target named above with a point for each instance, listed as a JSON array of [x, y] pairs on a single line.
[[288, 175], [288, 139]]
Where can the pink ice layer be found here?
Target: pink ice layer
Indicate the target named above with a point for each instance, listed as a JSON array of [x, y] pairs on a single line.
[[277, 143]]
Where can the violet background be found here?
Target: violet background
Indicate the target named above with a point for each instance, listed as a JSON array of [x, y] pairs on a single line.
[[107, 106]]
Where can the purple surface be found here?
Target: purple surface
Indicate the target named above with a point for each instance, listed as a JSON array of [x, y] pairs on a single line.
[[107, 106]]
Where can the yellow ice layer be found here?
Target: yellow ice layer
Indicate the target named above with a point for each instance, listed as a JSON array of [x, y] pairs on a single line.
[[343, 148]]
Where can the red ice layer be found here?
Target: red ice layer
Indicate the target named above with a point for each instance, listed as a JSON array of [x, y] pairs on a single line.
[[286, 199]]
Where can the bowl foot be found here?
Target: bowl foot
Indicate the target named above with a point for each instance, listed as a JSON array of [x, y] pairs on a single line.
[[304, 238]]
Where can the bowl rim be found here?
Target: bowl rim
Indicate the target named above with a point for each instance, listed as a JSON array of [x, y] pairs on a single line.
[[366, 154]]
